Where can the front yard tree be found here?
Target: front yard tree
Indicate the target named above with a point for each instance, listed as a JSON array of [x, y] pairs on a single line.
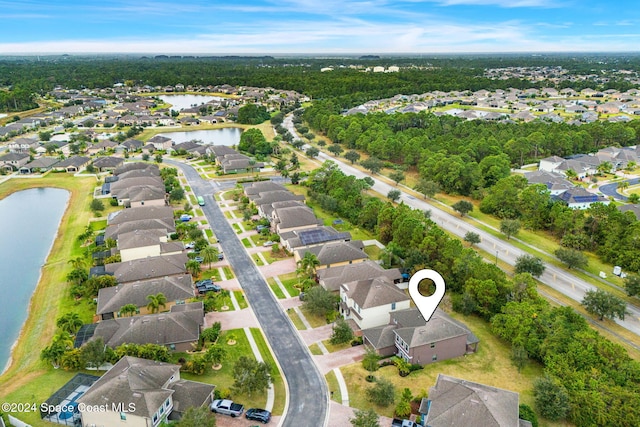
[[176, 194], [352, 156], [250, 376], [509, 227], [572, 258], [158, 158], [209, 255], [197, 417], [382, 393], [97, 205], [320, 302], [529, 264], [462, 207], [367, 418], [472, 238], [604, 304], [216, 354], [341, 333], [308, 263], [335, 149], [370, 360], [427, 188]]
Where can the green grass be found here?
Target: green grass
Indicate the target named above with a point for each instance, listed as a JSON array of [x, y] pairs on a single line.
[[296, 320], [246, 243], [289, 283], [334, 388], [209, 233], [187, 188], [223, 379], [242, 301], [276, 376], [228, 272], [258, 261], [314, 321], [259, 239], [213, 274], [373, 251], [228, 214], [332, 348], [275, 288], [98, 225], [315, 349], [237, 228]]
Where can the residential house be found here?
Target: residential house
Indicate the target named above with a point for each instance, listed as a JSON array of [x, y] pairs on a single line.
[[556, 183], [73, 164], [253, 189], [102, 147], [176, 289], [307, 237], [335, 254], [178, 329], [130, 166], [132, 145], [129, 182], [332, 278], [11, 162], [579, 198], [39, 165], [161, 142], [146, 243], [166, 224], [265, 200], [369, 302], [164, 213], [140, 393], [22, 145], [457, 402], [293, 218], [104, 164], [147, 268]]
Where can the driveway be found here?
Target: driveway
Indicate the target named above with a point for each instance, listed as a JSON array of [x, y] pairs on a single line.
[[225, 421], [307, 389], [232, 319], [348, 356]]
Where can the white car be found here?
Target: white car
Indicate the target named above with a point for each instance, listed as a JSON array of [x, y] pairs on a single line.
[[268, 243]]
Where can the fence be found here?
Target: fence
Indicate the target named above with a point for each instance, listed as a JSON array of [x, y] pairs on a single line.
[[16, 422]]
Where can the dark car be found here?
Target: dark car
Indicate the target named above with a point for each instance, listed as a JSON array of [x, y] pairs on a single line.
[[256, 414]]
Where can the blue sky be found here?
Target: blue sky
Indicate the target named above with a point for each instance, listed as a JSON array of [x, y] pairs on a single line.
[[318, 26]]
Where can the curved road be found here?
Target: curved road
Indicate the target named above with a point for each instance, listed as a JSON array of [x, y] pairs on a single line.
[[612, 189], [308, 397], [555, 277]]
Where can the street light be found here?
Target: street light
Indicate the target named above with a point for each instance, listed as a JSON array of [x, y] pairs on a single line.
[[496, 257]]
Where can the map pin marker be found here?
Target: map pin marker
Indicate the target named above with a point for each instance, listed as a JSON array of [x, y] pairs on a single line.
[[426, 305]]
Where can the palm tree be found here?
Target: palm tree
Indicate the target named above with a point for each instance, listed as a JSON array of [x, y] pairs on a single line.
[[70, 323], [129, 309], [78, 263], [623, 185], [571, 174], [156, 301], [215, 354], [193, 267], [308, 263], [209, 255]]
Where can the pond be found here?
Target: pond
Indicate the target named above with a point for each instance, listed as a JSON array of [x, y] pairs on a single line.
[[29, 221], [180, 102], [223, 136]]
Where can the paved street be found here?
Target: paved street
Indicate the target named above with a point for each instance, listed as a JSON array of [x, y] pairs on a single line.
[[555, 277], [307, 390]]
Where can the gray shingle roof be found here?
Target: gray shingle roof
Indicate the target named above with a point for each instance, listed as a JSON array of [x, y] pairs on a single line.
[[332, 278], [164, 213], [136, 165], [140, 238], [113, 231], [174, 288], [374, 292], [336, 252], [147, 268], [295, 216], [189, 394]]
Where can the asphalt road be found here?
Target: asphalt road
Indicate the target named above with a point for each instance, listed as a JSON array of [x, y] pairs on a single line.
[[612, 189], [308, 397], [554, 277]]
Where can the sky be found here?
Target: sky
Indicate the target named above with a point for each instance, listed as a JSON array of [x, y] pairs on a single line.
[[317, 26]]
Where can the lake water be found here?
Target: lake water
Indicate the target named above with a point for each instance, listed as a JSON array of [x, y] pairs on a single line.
[[179, 102], [222, 136], [29, 222]]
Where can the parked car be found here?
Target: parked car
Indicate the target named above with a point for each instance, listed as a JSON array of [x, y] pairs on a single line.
[[199, 259], [204, 282], [209, 287], [185, 217], [220, 257], [403, 423], [226, 407], [301, 296], [268, 243], [190, 245], [256, 414], [261, 227]]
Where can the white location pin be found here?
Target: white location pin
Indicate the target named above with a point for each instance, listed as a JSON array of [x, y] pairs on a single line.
[[426, 305]]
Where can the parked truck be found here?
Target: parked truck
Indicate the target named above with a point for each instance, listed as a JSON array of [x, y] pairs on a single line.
[[227, 407], [403, 423]]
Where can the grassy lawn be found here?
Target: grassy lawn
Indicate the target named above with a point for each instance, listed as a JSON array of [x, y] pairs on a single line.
[[290, 283], [373, 251], [51, 297], [332, 348], [223, 379], [278, 383], [275, 288], [98, 225], [314, 321], [296, 320], [246, 243], [213, 274], [242, 301], [228, 215], [491, 365], [187, 188], [315, 349], [258, 261], [228, 272], [237, 228], [334, 388], [259, 239]]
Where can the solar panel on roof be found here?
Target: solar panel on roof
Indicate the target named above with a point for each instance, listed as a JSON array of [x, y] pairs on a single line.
[[320, 235]]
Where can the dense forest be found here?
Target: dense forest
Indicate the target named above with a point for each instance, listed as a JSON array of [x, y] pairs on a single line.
[[348, 87]]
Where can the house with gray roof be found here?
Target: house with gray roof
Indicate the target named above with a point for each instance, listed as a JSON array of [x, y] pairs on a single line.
[[73, 164], [579, 198], [104, 164], [255, 188], [334, 254], [457, 402], [141, 195], [147, 391], [129, 166], [293, 218], [39, 165], [161, 142], [139, 244], [313, 236], [11, 162], [556, 183], [147, 268], [178, 329], [164, 213], [332, 278], [132, 145], [114, 230], [369, 302], [22, 145], [175, 289]]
